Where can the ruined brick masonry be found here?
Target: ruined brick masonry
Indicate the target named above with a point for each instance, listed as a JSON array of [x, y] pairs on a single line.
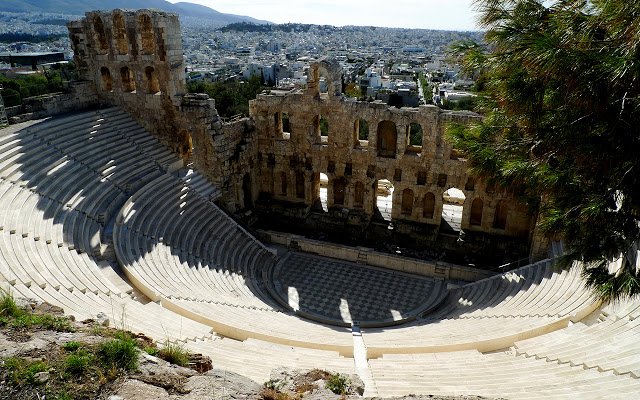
[[134, 60]]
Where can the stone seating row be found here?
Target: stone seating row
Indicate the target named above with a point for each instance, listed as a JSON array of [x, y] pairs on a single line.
[[609, 343], [173, 241], [256, 359], [492, 313], [534, 290], [498, 374], [125, 312]]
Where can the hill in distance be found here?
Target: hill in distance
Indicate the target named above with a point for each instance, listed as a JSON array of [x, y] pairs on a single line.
[[79, 7]]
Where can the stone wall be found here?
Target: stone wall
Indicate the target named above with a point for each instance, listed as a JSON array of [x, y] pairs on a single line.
[[80, 96], [133, 59], [289, 162]]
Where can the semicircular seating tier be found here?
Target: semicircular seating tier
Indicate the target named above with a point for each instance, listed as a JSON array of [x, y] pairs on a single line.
[[196, 276], [492, 313], [180, 249], [62, 183]]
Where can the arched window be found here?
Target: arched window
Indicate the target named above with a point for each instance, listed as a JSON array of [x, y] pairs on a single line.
[[146, 34], [358, 200], [300, 185], [471, 184], [120, 34], [415, 134], [338, 191], [429, 205], [107, 82], [360, 130], [152, 80], [476, 211], [286, 123], [283, 183], [387, 138], [101, 37], [500, 218], [407, 202], [128, 83]]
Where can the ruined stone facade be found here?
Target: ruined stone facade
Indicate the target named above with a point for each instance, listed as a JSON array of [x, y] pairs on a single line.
[[291, 160], [274, 158]]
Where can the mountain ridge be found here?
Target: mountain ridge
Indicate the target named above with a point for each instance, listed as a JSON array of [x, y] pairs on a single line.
[[79, 7]]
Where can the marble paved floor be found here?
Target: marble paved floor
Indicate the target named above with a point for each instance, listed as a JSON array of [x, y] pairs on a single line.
[[350, 292]]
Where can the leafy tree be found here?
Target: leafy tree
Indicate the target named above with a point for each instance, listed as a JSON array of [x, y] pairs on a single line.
[[352, 90], [562, 124]]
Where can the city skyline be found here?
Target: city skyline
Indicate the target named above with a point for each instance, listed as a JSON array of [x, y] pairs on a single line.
[[423, 14]]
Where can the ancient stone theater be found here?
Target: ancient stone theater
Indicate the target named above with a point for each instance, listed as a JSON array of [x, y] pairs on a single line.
[[260, 242]]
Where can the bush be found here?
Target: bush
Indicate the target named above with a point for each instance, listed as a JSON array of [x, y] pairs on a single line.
[[78, 362], [174, 353], [8, 307], [71, 346], [120, 353], [338, 384], [20, 371]]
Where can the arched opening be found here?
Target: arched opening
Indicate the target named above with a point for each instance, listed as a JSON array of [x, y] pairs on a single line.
[[146, 34], [300, 185], [185, 144], [387, 138], [407, 202], [101, 37], [360, 131], [246, 191], [323, 183], [500, 218], [321, 128], [283, 183], [107, 81], [339, 186], [358, 199], [128, 83], [471, 184], [120, 34], [384, 199], [415, 136], [286, 123], [452, 207], [152, 80], [428, 205], [476, 211]]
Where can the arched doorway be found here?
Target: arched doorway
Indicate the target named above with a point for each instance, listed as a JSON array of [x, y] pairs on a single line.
[[384, 199], [324, 182], [387, 138], [452, 206]]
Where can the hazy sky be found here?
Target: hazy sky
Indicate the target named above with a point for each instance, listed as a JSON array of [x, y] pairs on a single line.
[[428, 14]]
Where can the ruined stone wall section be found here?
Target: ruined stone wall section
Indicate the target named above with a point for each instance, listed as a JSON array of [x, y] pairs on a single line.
[[288, 160], [134, 60]]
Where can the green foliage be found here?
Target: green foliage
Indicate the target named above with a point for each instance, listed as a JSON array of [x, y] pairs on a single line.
[[71, 346], [415, 134], [78, 362], [274, 384], [324, 126], [231, 98], [15, 90], [26, 321], [363, 129], [175, 353], [20, 371], [562, 126], [153, 351], [466, 103], [119, 353], [352, 90], [338, 383], [8, 307]]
